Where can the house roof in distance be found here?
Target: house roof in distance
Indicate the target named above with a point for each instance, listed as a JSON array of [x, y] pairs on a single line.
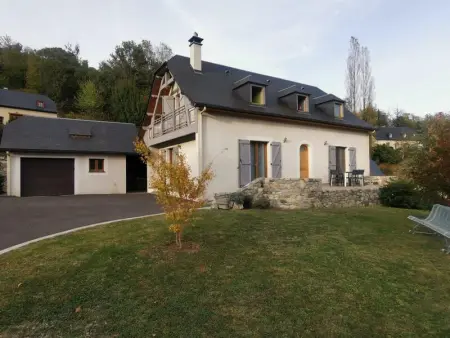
[[213, 88], [383, 133], [60, 135], [27, 101]]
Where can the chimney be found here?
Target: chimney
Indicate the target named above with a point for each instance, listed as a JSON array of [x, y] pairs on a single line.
[[196, 52]]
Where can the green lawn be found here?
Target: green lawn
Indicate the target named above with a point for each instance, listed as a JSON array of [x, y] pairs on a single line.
[[317, 273]]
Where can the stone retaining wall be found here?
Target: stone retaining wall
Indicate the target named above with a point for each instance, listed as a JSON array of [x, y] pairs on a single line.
[[287, 193]]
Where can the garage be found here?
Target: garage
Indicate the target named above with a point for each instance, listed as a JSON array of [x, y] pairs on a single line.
[[46, 176]]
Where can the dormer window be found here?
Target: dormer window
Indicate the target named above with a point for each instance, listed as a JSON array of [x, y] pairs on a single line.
[[257, 95], [302, 103], [338, 111], [40, 104]]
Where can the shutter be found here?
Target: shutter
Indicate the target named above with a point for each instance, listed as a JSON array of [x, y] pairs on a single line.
[[175, 152], [245, 168], [332, 158], [276, 159], [352, 158]]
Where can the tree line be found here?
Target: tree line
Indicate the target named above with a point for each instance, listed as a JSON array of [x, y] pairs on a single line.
[[117, 91], [360, 92]]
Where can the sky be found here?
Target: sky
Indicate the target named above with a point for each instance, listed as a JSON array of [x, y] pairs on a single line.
[[300, 40]]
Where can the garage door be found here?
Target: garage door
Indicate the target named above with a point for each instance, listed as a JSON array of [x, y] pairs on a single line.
[[46, 176]]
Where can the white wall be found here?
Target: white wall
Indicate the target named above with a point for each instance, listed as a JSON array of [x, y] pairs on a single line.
[[220, 142], [112, 181], [190, 149]]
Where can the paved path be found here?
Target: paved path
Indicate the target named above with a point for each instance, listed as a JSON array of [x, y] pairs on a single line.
[[27, 218]]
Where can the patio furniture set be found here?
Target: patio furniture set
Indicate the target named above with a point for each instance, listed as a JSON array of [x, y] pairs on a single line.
[[349, 178]]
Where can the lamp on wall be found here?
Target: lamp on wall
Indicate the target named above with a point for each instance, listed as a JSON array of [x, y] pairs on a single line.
[[285, 140], [325, 143]]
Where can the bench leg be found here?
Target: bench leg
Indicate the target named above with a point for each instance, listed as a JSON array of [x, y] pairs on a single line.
[[446, 249], [416, 227]]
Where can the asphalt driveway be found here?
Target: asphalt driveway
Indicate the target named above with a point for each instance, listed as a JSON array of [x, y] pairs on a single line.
[[27, 218]]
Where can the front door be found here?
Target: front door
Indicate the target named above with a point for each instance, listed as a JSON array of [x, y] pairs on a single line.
[[340, 159], [304, 161]]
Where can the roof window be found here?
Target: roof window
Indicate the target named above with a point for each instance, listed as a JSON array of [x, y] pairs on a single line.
[[40, 104], [257, 95]]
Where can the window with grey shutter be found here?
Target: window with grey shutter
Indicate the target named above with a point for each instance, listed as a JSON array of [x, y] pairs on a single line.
[[332, 157], [245, 167], [276, 159], [352, 158]]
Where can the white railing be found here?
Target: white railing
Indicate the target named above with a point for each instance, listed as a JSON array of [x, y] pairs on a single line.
[[173, 121]]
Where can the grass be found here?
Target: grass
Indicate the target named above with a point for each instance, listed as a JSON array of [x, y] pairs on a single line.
[[315, 273]]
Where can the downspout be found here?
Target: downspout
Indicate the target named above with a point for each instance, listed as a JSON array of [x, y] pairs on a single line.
[[8, 173], [200, 139]]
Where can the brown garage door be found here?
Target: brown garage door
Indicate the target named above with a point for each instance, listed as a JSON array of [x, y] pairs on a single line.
[[46, 176]]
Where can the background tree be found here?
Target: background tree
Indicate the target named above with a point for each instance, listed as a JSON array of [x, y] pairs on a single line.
[[33, 75], [366, 82], [121, 83], [89, 100], [353, 74], [359, 82], [128, 102], [370, 115], [429, 166], [177, 191]]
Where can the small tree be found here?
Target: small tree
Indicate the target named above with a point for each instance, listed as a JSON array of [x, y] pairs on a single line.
[[429, 165], [177, 191], [89, 100]]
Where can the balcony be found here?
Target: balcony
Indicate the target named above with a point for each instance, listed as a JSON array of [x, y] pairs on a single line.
[[180, 122]]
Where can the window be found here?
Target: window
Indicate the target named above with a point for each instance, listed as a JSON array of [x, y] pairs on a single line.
[[390, 135], [40, 104], [14, 116], [302, 103], [1, 120], [96, 165], [257, 95], [338, 111], [258, 153]]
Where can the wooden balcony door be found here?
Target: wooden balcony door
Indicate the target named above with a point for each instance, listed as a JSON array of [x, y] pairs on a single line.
[[304, 161]]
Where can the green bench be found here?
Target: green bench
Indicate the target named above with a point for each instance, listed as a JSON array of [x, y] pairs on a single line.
[[438, 221]]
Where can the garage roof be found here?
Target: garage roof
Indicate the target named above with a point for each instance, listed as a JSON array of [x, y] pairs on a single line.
[[60, 135]]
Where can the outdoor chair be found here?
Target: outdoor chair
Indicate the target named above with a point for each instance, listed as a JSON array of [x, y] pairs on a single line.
[[438, 221], [357, 177], [336, 178]]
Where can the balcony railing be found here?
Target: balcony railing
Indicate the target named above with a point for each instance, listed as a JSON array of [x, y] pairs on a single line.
[[173, 121]]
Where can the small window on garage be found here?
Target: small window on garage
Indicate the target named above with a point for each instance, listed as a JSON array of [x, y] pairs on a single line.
[[96, 165]]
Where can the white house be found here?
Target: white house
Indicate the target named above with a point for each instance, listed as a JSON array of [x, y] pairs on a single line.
[[48, 156], [250, 125]]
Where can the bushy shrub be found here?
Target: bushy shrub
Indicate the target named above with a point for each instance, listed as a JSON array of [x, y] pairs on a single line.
[[237, 198], [382, 153], [401, 194]]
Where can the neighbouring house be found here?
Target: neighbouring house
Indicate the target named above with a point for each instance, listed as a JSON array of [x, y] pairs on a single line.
[[47, 157], [396, 137], [250, 125], [14, 104]]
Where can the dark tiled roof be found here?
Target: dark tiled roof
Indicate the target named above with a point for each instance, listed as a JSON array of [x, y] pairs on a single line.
[[28, 101], [40, 134], [213, 87], [382, 134]]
